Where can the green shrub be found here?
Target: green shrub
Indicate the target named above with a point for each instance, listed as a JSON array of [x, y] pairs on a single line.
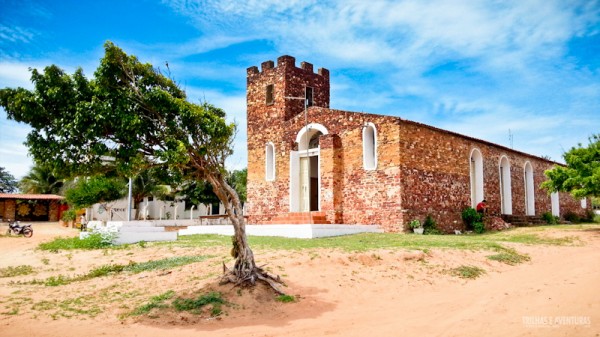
[[155, 302], [510, 257], [470, 217], [471, 272], [430, 226], [69, 215], [195, 305], [92, 241], [415, 224], [286, 298], [479, 227], [549, 218], [572, 217]]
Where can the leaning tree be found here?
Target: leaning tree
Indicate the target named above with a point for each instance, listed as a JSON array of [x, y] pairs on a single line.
[[139, 118]]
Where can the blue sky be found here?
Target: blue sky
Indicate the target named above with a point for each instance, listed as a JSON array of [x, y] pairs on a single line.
[[480, 68]]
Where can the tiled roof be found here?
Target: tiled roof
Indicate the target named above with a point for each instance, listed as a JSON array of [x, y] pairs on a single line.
[[31, 196]]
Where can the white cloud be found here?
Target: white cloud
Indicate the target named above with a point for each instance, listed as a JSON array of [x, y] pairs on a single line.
[[15, 34]]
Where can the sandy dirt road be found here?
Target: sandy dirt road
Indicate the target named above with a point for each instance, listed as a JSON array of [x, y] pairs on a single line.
[[378, 293]]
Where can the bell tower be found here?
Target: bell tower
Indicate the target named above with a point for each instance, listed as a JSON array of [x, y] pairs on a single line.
[[274, 93]]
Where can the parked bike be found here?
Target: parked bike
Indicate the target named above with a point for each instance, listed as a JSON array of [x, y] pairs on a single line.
[[16, 228]]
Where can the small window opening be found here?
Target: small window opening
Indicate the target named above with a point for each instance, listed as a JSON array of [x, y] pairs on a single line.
[[270, 162], [369, 147], [269, 94], [309, 96]]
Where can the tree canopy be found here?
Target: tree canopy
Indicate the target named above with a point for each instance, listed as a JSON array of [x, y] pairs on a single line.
[[133, 113], [8, 184], [581, 175], [98, 189], [41, 180]]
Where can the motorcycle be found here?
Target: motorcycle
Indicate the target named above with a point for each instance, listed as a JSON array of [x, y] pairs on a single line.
[[15, 227]]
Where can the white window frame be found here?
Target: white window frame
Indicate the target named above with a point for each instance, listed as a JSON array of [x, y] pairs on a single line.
[[369, 149], [270, 161], [476, 176]]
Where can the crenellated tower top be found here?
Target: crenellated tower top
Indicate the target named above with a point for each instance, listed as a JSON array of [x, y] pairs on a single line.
[[282, 91]]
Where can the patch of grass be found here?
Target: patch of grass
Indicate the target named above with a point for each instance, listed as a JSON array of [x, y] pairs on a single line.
[[510, 257], [132, 267], [54, 281], [167, 263], [155, 302], [70, 307], [470, 272], [16, 271], [534, 239], [285, 298], [93, 241], [196, 305], [355, 243]]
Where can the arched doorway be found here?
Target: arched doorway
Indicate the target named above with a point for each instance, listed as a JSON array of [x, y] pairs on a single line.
[[529, 190], [476, 176], [505, 186], [305, 177]]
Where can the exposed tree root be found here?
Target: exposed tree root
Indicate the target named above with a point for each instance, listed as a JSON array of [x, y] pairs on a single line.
[[249, 276]]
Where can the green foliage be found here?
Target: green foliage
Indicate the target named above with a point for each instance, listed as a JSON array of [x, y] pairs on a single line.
[[581, 176], [92, 241], [41, 179], [238, 179], [430, 226], [549, 218], [572, 217], [69, 215], [286, 298], [196, 305], [415, 224], [16, 271], [470, 272], [54, 281], [470, 216], [129, 111], [87, 192], [8, 184], [479, 227], [509, 256], [155, 302], [166, 263]]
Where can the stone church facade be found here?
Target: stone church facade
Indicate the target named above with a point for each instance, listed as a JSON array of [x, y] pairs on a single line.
[[308, 163]]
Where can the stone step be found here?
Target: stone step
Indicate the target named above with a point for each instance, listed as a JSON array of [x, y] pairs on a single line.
[[299, 218]]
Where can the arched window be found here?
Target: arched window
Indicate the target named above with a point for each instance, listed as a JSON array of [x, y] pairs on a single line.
[[529, 190], [505, 186], [270, 162], [476, 175], [369, 138]]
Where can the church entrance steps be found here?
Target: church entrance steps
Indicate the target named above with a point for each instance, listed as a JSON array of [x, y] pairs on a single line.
[[311, 218]]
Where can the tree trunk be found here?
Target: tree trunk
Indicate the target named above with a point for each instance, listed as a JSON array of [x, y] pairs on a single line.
[[245, 272]]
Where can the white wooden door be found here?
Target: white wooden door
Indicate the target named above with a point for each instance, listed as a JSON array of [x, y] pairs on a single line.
[[304, 184]]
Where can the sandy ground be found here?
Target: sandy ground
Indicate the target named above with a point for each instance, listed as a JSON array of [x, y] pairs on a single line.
[[379, 293]]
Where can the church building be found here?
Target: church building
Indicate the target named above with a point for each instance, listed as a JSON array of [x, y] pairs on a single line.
[[311, 164]]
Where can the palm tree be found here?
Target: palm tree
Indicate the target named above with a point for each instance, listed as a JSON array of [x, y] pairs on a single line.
[[41, 180]]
